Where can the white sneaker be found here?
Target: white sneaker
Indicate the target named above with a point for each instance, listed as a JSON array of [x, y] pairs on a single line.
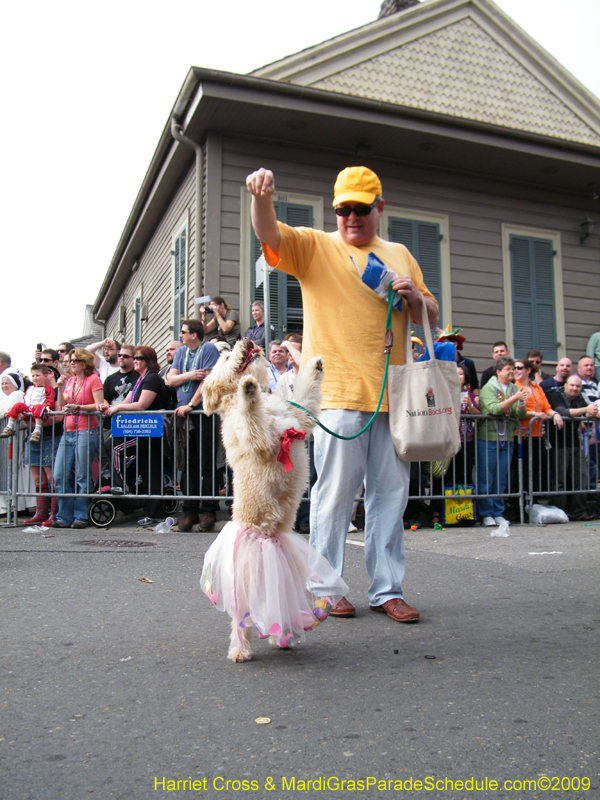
[[352, 528], [489, 522], [501, 519]]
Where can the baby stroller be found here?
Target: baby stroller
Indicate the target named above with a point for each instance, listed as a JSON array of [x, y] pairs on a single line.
[[119, 489]]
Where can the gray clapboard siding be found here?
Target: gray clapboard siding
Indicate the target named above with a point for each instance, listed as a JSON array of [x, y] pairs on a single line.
[[155, 274], [475, 219]]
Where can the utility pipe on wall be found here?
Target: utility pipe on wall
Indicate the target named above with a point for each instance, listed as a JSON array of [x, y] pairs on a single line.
[[176, 132]]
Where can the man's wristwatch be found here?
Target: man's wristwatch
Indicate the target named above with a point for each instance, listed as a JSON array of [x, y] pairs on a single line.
[[192, 406]]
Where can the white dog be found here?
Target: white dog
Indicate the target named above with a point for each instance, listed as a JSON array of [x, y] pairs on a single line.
[[258, 570]]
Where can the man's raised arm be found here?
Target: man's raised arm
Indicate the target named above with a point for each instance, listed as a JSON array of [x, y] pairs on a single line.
[[261, 185]]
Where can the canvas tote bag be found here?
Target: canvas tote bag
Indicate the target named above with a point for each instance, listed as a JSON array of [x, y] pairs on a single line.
[[424, 404]]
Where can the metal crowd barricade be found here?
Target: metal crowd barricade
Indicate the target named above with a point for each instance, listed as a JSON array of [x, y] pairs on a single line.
[[121, 475], [559, 466], [457, 475]]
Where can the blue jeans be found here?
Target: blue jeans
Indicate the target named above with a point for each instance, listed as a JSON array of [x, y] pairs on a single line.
[[76, 451], [493, 463], [341, 468]]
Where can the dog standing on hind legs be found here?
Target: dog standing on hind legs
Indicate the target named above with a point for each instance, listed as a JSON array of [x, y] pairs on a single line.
[[258, 570]]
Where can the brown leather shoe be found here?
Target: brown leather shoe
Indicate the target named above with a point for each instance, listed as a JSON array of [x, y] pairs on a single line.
[[343, 609], [398, 610], [186, 523], [207, 523]]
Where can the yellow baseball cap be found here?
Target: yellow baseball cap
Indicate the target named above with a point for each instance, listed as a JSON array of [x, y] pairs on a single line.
[[358, 184]]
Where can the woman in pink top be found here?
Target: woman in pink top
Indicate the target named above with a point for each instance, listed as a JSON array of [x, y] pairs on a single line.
[[79, 444]]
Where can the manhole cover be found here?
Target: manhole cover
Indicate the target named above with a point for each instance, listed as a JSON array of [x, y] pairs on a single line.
[[115, 543]]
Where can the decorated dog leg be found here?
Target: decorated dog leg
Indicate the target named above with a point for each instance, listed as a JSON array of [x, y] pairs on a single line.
[[307, 390], [253, 430], [240, 644]]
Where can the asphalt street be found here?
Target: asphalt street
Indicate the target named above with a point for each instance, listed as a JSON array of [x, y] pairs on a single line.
[[114, 687]]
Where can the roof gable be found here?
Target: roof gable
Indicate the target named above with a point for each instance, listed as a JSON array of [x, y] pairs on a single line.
[[462, 58]]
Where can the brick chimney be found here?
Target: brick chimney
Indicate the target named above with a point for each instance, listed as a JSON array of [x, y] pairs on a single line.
[[393, 6]]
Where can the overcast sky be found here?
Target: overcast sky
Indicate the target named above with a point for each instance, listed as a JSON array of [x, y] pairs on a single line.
[[87, 91]]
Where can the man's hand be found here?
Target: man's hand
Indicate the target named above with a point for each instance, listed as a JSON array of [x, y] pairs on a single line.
[[198, 374], [261, 182], [261, 185], [404, 286], [183, 411]]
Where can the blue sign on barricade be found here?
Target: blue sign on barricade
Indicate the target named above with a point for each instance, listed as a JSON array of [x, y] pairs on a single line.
[[137, 425]]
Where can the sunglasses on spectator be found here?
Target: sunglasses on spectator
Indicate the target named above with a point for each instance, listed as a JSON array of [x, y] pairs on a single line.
[[360, 210], [519, 366], [61, 350], [46, 360], [125, 355], [140, 358]]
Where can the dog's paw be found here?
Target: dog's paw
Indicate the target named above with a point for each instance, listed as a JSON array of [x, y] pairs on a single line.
[[238, 654], [249, 387], [315, 365]]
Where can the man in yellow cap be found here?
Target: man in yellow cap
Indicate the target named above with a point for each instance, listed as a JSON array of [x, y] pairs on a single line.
[[329, 267]]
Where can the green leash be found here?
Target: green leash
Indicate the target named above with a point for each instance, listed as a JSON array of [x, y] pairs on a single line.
[[389, 341]]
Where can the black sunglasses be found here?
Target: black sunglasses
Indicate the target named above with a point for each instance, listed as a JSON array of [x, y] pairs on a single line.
[[360, 210], [140, 358], [124, 355], [46, 360]]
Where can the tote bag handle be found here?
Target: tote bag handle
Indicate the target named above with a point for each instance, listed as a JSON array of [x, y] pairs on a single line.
[[408, 356]]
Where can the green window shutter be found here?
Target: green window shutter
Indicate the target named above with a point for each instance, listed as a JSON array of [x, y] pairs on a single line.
[[422, 239], [179, 268], [137, 322], [284, 290], [534, 306]]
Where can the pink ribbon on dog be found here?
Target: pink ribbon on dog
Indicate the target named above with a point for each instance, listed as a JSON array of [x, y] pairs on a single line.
[[286, 445]]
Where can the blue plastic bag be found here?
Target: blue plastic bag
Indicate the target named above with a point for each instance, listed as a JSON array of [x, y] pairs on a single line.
[[443, 351], [377, 277]]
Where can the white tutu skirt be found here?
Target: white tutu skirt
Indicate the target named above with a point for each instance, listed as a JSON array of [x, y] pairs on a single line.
[[279, 585]]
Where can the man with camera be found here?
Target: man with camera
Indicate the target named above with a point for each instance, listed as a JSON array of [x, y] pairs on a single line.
[[191, 364]]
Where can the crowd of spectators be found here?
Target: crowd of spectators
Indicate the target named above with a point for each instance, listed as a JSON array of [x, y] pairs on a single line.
[[558, 415]]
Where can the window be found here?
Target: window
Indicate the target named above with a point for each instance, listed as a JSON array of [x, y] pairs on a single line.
[[137, 320], [285, 304], [533, 291], [284, 290], [179, 252], [426, 236]]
